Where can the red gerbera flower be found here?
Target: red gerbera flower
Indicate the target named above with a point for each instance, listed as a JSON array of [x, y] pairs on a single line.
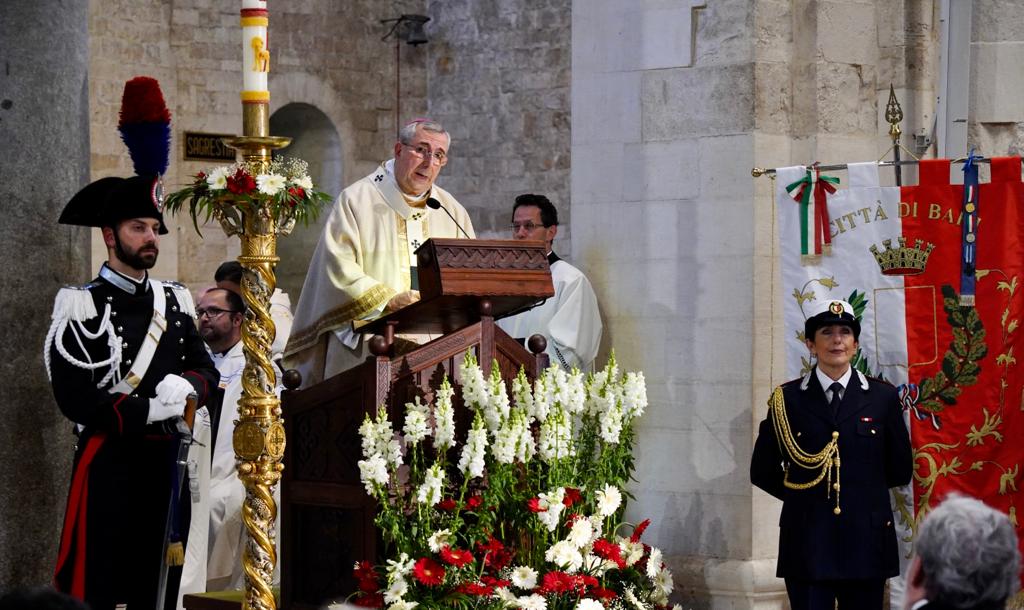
[[494, 582], [639, 530], [428, 571], [534, 505], [572, 496], [602, 593], [456, 557], [610, 551]]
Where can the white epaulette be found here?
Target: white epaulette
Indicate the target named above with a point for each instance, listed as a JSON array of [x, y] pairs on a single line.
[[75, 303], [183, 296]]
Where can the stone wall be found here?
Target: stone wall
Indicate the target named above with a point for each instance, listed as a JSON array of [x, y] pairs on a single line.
[[499, 76], [44, 117]]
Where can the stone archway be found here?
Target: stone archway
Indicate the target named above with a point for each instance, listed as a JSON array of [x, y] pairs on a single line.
[[315, 140]]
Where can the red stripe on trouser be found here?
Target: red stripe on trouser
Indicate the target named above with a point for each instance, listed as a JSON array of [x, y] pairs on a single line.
[[75, 518]]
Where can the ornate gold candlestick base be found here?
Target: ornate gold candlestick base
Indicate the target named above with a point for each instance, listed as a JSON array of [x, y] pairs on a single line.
[[259, 436]]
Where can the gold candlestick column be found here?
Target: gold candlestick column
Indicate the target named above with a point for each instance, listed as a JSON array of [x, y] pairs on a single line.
[[259, 436]]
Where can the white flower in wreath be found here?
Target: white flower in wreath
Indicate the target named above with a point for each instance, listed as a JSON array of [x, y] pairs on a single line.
[[218, 179], [608, 500], [270, 184], [654, 563], [429, 492], [524, 577], [444, 418], [471, 462], [581, 533], [305, 182], [531, 602], [632, 552], [439, 540], [589, 604], [416, 428], [403, 605], [373, 473], [396, 591], [663, 586], [399, 568], [564, 555]]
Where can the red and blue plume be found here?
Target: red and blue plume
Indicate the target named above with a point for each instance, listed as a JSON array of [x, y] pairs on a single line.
[[145, 125]]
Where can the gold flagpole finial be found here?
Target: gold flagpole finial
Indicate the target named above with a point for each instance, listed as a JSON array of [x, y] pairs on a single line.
[[893, 115]]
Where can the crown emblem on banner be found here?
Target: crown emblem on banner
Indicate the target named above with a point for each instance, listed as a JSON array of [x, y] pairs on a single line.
[[902, 260]]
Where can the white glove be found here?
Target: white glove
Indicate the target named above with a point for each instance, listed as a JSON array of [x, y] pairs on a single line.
[[159, 411], [173, 390]]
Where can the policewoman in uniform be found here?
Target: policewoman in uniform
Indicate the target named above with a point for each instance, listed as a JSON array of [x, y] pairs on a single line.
[[124, 356], [832, 445]]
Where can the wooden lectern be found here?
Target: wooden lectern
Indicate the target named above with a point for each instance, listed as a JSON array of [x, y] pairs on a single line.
[[327, 517]]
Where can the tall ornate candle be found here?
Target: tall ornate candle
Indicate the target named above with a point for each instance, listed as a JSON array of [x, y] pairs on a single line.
[[255, 65]]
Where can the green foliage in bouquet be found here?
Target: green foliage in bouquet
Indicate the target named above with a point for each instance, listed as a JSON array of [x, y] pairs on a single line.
[[282, 193], [527, 513]]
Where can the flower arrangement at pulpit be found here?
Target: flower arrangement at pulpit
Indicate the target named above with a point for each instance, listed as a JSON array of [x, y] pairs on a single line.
[[281, 192], [526, 513]]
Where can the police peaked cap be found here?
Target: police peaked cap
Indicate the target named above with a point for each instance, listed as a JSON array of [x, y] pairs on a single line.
[[108, 201], [827, 312]]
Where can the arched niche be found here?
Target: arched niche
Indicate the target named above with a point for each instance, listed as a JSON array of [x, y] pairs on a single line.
[[316, 141]]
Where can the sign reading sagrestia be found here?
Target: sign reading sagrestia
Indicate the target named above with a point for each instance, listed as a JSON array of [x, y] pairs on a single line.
[[207, 147]]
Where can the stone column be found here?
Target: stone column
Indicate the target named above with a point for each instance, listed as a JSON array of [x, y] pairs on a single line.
[[44, 125]]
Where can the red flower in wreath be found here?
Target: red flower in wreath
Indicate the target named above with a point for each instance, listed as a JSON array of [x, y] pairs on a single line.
[[428, 572], [572, 496], [446, 505], [241, 183], [610, 551], [474, 502], [475, 588], [534, 505], [456, 557], [639, 530]]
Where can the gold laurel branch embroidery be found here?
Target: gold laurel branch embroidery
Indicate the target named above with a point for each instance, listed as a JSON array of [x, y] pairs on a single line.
[[825, 461]]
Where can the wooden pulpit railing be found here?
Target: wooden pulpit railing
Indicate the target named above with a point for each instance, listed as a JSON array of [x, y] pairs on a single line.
[[326, 515]]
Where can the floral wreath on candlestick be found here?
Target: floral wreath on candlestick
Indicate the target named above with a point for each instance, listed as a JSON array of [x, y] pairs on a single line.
[[280, 191]]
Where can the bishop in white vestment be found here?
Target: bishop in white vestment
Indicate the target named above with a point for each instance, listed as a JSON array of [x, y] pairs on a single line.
[[364, 264]]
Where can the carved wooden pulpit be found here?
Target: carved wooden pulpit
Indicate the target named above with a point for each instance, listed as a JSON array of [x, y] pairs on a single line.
[[327, 517]]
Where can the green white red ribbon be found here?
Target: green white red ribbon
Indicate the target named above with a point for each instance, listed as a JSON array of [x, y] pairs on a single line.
[[801, 190]]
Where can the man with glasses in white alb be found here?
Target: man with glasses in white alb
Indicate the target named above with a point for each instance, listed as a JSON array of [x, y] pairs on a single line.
[[364, 265]]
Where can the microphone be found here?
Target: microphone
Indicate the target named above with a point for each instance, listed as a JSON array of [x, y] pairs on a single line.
[[435, 204]]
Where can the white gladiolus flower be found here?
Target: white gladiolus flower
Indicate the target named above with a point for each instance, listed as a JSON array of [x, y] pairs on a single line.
[[444, 418], [541, 404], [305, 182], [581, 534], [416, 428], [532, 602], [564, 555], [396, 591], [634, 395], [497, 407], [551, 505], [522, 394], [608, 500], [472, 460], [589, 604], [373, 473], [439, 539], [394, 453], [526, 447], [474, 388], [524, 577], [555, 442], [654, 563], [611, 425], [218, 179], [429, 492], [270, 184], [574, 395]]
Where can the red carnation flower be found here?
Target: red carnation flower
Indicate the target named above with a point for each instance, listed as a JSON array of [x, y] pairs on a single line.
[[572, 496], [241, 183], [534, 505], [446, 505], [602, 593], [475, 588], [456, 557], [494, 553], [474, 502], [374, 600], [428, 572], [494, 582], [639, 530]]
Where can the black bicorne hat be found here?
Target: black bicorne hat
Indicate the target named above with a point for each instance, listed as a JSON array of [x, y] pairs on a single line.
[[145, 126]]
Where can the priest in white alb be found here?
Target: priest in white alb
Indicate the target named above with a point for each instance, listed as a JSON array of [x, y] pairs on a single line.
[[364, 265], [570, 320]]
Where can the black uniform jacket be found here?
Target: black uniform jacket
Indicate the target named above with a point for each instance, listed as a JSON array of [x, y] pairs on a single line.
[[114, 526], [875, 454]]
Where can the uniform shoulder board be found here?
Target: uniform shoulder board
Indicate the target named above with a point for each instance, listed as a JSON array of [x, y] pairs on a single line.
[[183, 296], [74, 302], [880, 381]]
